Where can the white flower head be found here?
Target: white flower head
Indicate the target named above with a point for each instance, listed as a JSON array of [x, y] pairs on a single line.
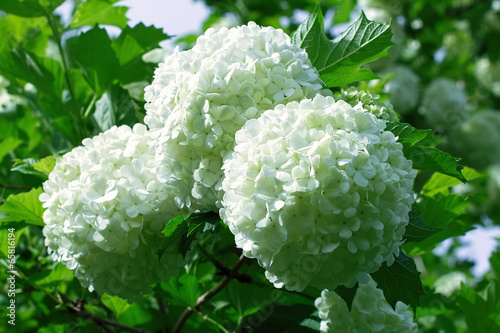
[[403, 89], [199, 99], [476, 139], [318, 193], [105, 213], [370, 312], [444, 104]]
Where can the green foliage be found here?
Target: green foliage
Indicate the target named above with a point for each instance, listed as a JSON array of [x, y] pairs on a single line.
[[73, 80], [24, 207], [338, 60], [400, 281], [418, 147]]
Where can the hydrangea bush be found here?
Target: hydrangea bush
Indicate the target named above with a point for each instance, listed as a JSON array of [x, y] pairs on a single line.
[[105, 211], [199, 99], [369, 312], [369, 101], [318, 193]]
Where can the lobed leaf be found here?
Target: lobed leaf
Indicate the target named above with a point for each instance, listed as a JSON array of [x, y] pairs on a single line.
[[24, 207], [424, 157], [338, 61], [400, 281], [417, 230], [29, 8], [92, 12]]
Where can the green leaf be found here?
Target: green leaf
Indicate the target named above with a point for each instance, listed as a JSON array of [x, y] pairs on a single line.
[[295, 318], [7, 145], [135, 315], [347, 294], [29, 8], [440, 183], [46, 165], [24, 207], [136, 41], [400, 281], [185, 289], [185, 228], [25, 166], [417, 230], [458, 228], [116, 304], [338, 61], [92, 51], [480, 313], [433, 159], [54, 277], [115, 107], [407, 135], [206, 219], [92, 12], [440, 210], [423, 156]]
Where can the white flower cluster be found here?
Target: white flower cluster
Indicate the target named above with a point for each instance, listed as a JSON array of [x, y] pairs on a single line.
[[403, 89], [201, 97], [370, 312], [368, 101], [488, 74], [318, 193], [476, 140], [105, 213], [8, 102], [444, 104]]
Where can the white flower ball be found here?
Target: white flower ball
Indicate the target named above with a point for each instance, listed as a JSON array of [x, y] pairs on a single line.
[[488, 74], [105, 213], [476, 140], [369, 101], [8, 102], [444, 104], [201, 97], [403, 89], [318, 193], [370, 312]]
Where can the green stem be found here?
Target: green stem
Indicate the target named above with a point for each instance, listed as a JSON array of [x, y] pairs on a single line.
[[76, 112], [219, 326]]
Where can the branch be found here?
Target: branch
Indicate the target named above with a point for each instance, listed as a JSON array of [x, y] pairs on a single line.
[[208, 295], [103, 322], [9, 187]]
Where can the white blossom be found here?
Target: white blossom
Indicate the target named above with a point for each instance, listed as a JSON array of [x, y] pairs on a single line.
[[105, 210], [444, 104], [199, 98], [476, 140], [403, 89], [369, 312], [318, 193]]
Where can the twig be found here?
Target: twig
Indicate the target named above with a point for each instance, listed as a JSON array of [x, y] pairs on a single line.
[[9, 187], [208, 295], [104, 322]]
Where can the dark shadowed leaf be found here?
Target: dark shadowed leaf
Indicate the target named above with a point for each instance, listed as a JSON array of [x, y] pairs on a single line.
[[417, 230], [400, 281]]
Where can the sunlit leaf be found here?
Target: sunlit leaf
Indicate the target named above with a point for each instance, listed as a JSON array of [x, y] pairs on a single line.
[[93, 12], [24, 207], [338, 61]]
